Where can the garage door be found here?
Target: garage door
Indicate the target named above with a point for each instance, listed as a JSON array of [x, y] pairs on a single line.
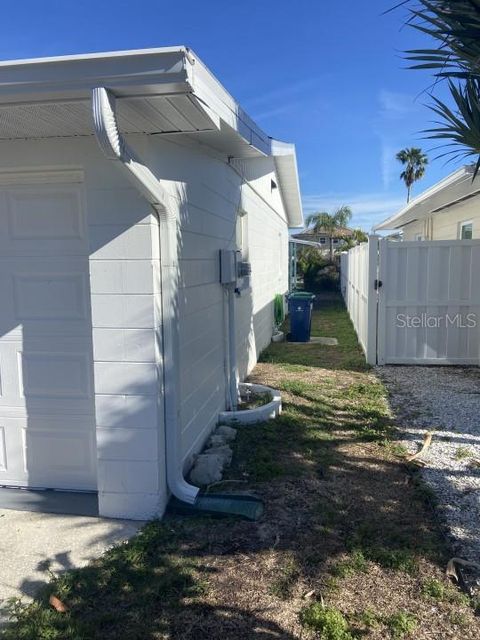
[[47, 436]]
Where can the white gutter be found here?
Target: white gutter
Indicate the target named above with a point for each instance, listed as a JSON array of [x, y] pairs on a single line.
[[308, 243], [115, 148]]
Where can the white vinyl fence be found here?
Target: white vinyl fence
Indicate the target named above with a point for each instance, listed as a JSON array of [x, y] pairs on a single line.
[[358, 271], [415, 302]]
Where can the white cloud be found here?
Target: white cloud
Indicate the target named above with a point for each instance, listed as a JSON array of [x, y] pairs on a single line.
[[286, 91], [395, 128], [395, 105], [275, 111], [368, 208]]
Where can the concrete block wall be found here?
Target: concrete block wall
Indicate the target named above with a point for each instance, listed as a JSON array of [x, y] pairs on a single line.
[[124, 271], [207, 195]]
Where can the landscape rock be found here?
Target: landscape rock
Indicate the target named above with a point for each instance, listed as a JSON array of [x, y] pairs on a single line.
[[217, 441], [224, 452], [207, 469], [229, 433]]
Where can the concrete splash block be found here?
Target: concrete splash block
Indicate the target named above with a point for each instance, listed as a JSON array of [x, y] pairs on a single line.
[[329, 342], [263, 413]]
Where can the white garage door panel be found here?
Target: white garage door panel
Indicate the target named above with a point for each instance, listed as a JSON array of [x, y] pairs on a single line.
[[50, 296], [47, 426], [52, 214], [47, 375], [47, 296], [46, 451]]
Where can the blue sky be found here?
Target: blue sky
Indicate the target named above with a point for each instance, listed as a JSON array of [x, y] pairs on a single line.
[[325, 75]]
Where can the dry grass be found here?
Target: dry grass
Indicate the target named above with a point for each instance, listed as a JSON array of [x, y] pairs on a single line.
[[346, 527]]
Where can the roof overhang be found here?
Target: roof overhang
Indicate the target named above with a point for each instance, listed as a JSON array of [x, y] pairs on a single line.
[[163, 91], [285, 160], [452, 190], [307, 243]]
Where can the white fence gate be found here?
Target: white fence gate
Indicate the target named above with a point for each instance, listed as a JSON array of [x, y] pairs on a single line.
[[415, 302]]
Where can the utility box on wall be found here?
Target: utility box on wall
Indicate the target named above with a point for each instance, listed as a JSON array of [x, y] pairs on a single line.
[[233, 270], [228, 266]]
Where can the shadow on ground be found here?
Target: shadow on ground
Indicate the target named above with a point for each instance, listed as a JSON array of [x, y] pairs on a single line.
[[346, 523]]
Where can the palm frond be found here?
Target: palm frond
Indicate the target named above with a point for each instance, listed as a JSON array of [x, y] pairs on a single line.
[[454, 28]]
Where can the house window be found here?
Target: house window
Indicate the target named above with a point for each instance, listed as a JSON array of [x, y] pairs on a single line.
[[466, 230], [335, 241], [242, 233], [322, 240]]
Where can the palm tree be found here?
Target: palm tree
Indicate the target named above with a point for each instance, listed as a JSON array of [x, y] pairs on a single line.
[[329, 223], [358, 236], [414, 161], [454, 57]]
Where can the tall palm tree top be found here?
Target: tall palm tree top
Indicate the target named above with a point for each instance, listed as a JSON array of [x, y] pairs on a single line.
[[412, 155], [414, 161]]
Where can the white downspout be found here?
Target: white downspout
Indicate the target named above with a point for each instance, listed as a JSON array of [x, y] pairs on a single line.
[[115, 148], [232, 349]]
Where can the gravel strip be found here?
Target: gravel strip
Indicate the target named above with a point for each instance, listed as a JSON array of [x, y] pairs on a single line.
[[445, 400]]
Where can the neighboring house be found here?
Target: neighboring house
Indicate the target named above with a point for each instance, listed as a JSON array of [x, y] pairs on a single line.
[[122, 176], [450, 210], [323, 237]]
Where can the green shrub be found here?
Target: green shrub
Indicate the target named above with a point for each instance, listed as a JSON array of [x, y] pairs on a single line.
[[356, 563], [401, 624], [328, 622], [433, 588]]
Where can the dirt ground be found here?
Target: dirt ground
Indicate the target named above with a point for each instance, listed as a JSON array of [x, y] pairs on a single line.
[[349, 529]]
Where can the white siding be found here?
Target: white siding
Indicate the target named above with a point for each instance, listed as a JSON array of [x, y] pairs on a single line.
[[208, 195], [444, 225], [410, 231]]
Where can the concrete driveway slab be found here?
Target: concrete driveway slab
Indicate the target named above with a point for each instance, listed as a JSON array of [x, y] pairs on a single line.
[[34, 544]]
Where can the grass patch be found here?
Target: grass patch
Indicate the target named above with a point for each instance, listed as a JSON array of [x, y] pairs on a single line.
[[331, 322], [356, 563], [368, 619], [287, 575], [401, 624], [338, 501], [397, 559], [128, 587], [462, 453], [433, 588], [329, 623], [395, 449], [459, 619], [444, 592]]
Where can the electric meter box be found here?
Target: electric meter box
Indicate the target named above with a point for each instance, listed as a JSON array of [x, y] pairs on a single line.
[[228, 266]]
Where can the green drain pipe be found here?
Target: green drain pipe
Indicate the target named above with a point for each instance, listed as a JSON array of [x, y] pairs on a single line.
[[219, 505]]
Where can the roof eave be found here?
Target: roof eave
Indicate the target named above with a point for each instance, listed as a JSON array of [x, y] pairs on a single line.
[[285, 160], [163, 74], [412, 212]]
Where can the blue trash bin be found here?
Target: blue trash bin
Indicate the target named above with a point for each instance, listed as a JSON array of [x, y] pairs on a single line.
[[300, 305]]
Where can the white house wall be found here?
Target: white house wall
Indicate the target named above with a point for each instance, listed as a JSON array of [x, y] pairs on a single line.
[[445, 225], [123, 266], [209, 195], [206, 195]]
